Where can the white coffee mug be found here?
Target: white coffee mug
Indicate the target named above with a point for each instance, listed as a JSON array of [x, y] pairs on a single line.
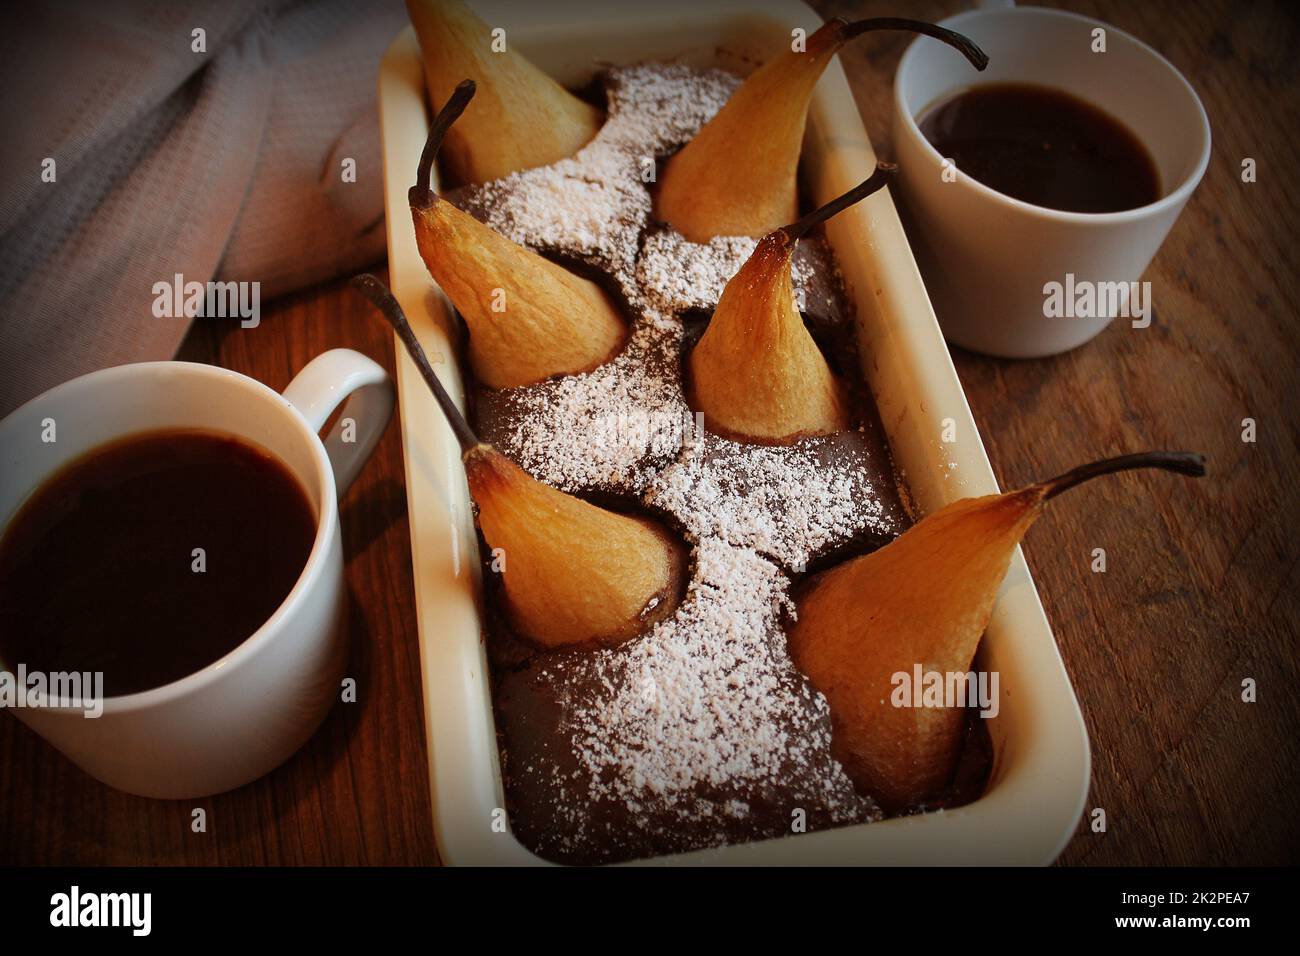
[[244, 714], [987, 258]]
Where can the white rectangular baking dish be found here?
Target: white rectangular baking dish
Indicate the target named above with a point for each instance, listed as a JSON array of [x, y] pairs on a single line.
[[1041, 766]]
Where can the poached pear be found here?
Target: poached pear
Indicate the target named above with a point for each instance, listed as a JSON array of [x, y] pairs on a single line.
[[756, 373], [572, 572], [528, 318], [923, 599], [738, 176], [521, 119]]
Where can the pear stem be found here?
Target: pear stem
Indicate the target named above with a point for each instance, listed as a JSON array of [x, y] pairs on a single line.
[[421, 195], [883, 174], [383, 300], [964, 45], [1183, 462]]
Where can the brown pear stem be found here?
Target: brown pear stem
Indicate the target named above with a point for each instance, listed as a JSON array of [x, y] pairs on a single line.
[[421, 195], [1183, 462], [964, 45], [883, 174], [383, 300]]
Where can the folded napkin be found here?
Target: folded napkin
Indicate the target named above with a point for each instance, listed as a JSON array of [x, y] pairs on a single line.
[[224, 163]]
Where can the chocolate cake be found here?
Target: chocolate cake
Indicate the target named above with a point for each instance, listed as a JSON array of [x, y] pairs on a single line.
[[701, 731]]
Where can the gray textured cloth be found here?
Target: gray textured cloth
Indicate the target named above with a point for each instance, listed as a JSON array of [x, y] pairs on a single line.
[[223, 164]]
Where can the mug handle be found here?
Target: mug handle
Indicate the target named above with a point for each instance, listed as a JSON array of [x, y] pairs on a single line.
[[326, 382]]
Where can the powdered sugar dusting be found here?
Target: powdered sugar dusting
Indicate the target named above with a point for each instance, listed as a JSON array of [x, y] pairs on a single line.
[[591, 205], [705, 718], [594, 205], [610, 427], [656, 107], [787, 502], [704, 700], [679, 274]]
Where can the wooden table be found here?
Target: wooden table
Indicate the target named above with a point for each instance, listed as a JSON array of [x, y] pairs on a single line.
[[1199, 593]]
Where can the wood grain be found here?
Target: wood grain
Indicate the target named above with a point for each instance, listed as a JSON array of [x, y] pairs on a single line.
[[1201, 585]]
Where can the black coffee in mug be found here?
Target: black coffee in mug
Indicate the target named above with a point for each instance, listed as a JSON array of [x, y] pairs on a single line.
[[1043, 146], [151, 557]]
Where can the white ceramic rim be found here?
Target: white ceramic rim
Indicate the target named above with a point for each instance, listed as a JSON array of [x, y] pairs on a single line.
[[326, 520], [1174, 199]]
